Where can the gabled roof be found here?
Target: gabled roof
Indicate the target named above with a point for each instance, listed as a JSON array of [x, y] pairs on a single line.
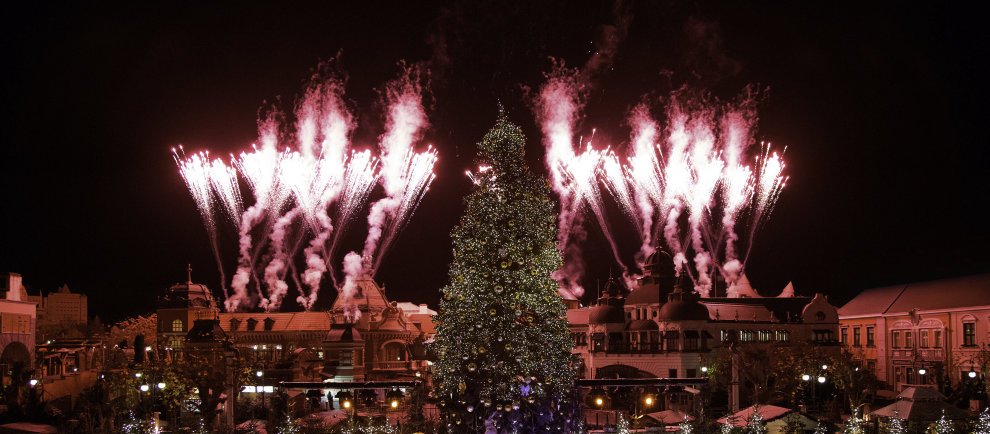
[[785, 309], [284, 321], [951, 293], [369, 296], [767, 412]]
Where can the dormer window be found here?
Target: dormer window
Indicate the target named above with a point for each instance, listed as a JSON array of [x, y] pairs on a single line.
[[269, 323], [234, 324], [251, 324], [177, 326]]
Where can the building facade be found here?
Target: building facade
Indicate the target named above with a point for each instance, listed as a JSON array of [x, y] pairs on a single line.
[[659, 331], [17, 328], [921, 333], [385, 341], [62, 308]]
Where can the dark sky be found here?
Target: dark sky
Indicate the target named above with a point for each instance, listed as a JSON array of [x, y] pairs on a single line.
[[882, 109]]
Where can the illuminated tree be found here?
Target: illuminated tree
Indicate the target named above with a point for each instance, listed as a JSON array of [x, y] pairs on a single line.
[[622, 426], [755, 424], [854, 425], [943, 425], [821, 429], [982, 425], [896, 425], [685, 427], [502, 344]]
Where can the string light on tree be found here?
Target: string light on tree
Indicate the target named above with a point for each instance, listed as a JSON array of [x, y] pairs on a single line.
[[514, 366]]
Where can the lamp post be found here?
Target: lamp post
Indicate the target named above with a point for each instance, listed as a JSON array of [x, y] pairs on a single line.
[[261, 377]]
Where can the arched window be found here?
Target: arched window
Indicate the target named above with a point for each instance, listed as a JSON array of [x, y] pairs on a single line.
[[177, 326], [394, 351]]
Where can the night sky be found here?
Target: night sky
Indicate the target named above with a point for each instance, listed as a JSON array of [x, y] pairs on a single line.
[[882, 108]]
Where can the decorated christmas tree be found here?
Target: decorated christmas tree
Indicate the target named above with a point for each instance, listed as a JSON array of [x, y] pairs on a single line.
[[982, 425], [943, 425], [685, 427], [854, 425], [755, 424], [821, 429], [502, 344], [622, 425], [896, 425]]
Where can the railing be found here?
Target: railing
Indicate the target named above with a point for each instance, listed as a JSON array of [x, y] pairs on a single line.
[[642, 348], [402, 365]]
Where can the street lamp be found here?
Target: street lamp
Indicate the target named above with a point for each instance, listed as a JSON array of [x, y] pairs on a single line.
[[821, 379], [34, 382], [971, 374], [144, 387], [704, 369], [161, 386], [261, 375], [824, 367], [805, 377]]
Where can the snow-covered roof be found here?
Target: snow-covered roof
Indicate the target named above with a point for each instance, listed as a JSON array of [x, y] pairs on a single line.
[[768, 412], [951, 293]]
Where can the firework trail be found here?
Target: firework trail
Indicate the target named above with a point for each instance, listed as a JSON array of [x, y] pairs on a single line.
[[573, 176], [197, 173], [405, 177], [305, 180], [684, 185]]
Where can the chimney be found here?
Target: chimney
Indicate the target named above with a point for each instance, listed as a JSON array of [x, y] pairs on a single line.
[[14, 288]]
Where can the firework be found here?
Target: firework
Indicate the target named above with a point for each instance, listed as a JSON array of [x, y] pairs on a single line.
[[685, 185], [306, 185]]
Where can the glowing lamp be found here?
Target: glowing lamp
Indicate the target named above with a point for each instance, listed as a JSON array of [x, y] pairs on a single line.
[[648, 400], [922, 371], [972, 374], [824, 366], [704, 369], [144, 387], [805, 377], [346, 404], [259, 374], [599, 401], [137, 375], [33, 382], [821, 379], [161, 386]]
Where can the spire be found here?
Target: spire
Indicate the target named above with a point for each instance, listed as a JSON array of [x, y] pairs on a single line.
[[189, 273]]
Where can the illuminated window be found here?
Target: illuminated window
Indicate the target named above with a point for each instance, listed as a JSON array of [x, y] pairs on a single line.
[[870, 337], [177, 326], [969, 334], [895, 339], [938, 339], [924, 339]]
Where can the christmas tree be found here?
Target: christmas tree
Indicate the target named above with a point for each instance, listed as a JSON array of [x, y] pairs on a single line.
[[755, 423], [622, 426], [943, 425], [685, 427], [502, 344], [896, 425], [854, 425], [982, 425], [821, 429]]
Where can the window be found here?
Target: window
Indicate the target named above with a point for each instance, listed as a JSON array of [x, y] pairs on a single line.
[[177, 326], [692, 373], [746, 335], [856, 337], [898, 374], [870, 337], [969, 334], [871, 365], [691, 340], [820, 316], [908, 340], [251, 324], [895, 339], [924, 339], [394, 351], [671, 338], [672, 373], [843, 332], [783, 336], [764, 335], [938, 339], [726, 335]]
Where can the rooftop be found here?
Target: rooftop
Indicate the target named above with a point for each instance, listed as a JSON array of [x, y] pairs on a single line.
[[950, 293]]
